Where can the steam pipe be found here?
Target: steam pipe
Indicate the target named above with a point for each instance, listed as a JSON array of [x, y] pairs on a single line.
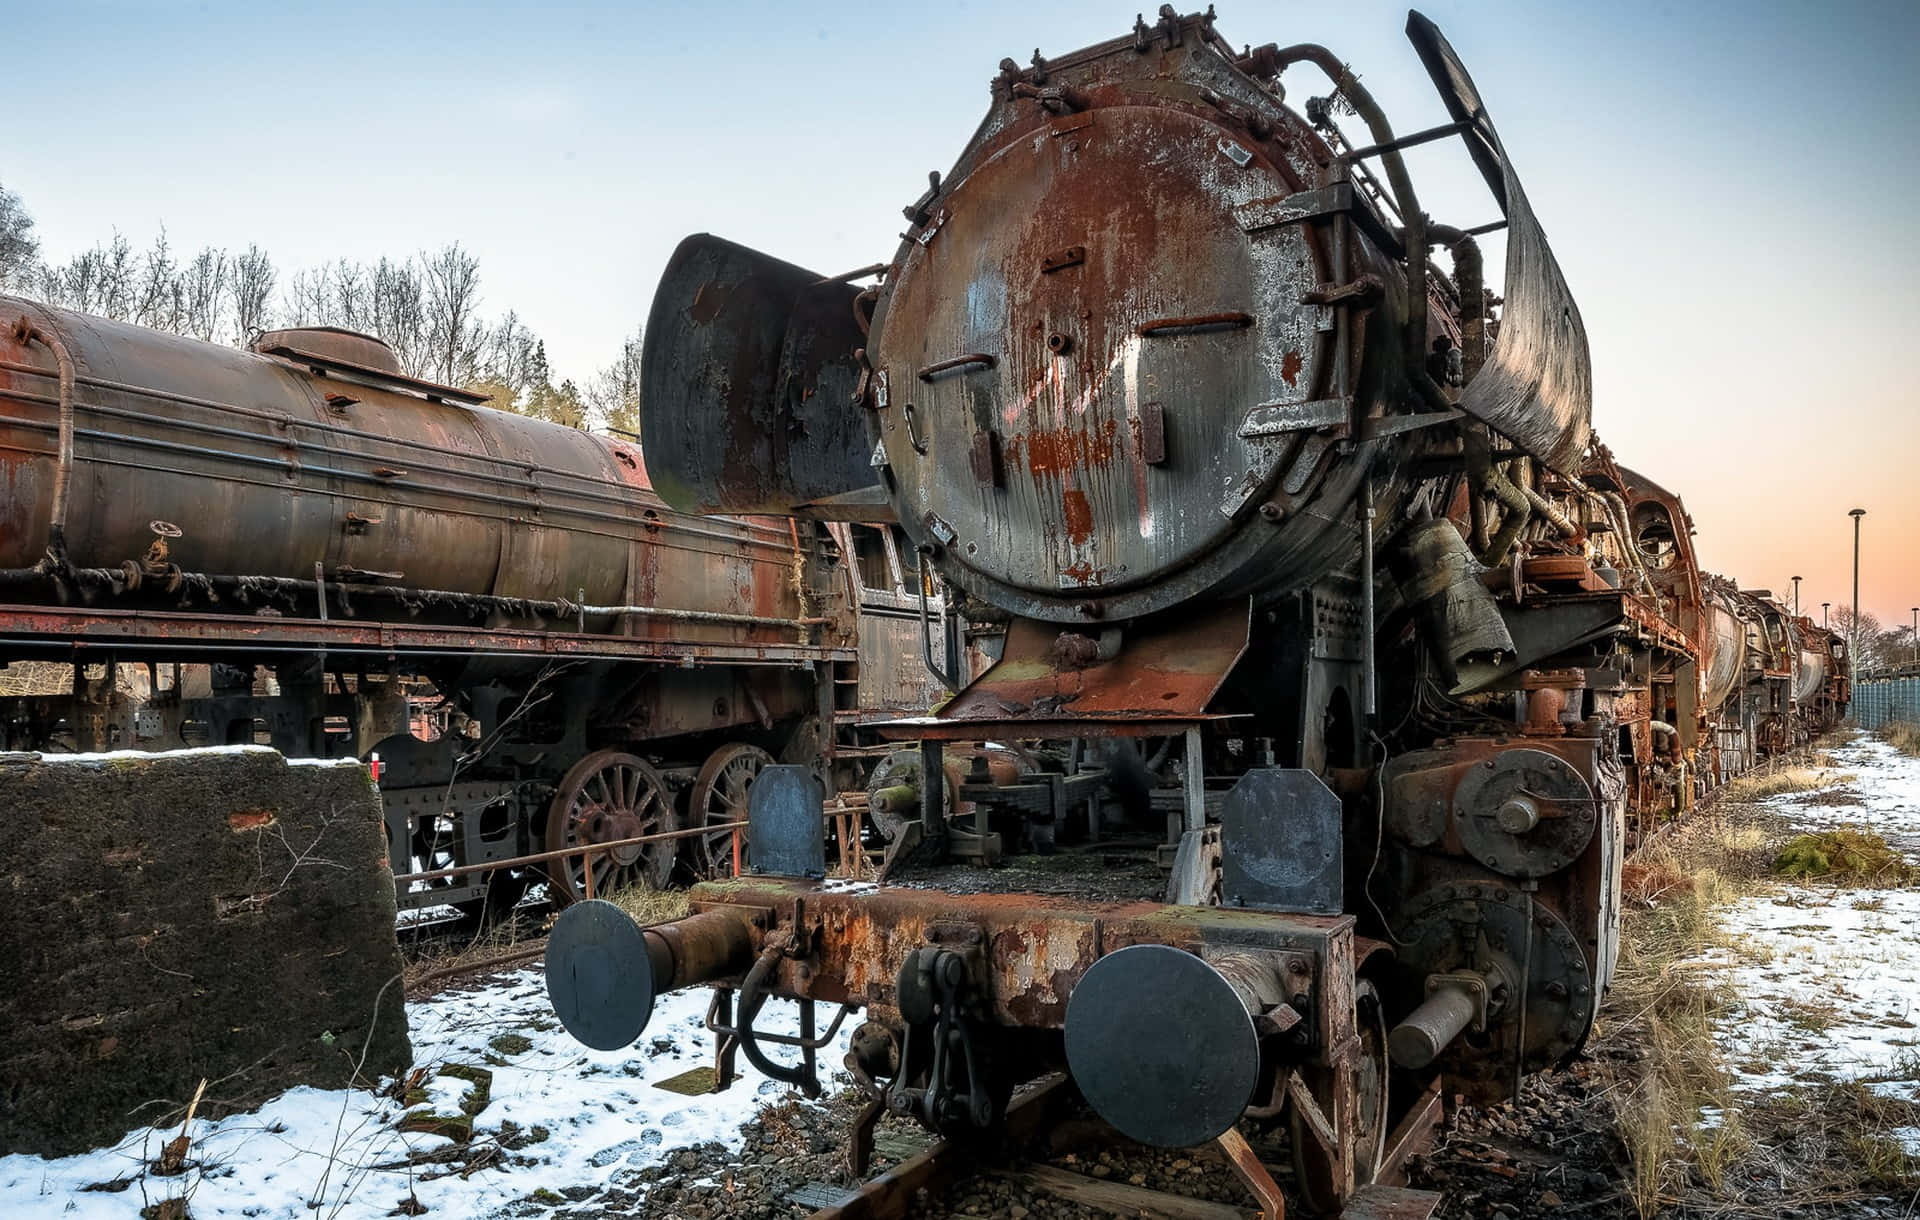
[[26, 332], [131, 576], [1487, 478]]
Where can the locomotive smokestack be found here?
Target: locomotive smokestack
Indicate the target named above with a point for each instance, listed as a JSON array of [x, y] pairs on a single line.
[[1164, 1046], [604, 970]]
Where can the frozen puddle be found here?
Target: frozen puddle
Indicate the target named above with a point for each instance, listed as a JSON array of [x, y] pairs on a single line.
[[1824, 979], [579, 1118]]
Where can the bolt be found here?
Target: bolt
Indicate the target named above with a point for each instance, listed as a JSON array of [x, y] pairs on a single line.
[[1059, 344], [1272, 511], [1298, 966], [1556, 990]]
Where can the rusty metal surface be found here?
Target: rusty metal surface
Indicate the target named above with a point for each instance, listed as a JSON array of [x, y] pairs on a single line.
[[1053, 675], [1037, 947], [747, 383], [1137, 313], [81, 631], [264, 466]]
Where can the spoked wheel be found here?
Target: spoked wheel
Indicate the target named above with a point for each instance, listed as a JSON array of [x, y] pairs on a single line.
[[607, 797], [1313, 1169], [719, 796]]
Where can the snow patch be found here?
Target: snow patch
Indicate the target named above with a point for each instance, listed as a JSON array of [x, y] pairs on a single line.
[[338, 1155]]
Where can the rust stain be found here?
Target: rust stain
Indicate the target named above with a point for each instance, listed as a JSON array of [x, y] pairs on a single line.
[[1055, 451], [709, 301], [1290, 367], [249, 819], [1079, 515]]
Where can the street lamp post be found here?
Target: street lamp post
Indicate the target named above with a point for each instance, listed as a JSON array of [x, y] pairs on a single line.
[[1853, 624]]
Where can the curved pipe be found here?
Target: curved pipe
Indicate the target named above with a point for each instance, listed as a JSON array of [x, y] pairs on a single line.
[[1486, 477], [26, 332], [753, 994], [1469, 278], [1543, 506], [1404, 199]]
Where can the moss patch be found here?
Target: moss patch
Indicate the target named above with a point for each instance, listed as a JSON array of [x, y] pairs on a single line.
[[1852, 856], [511, 1044]]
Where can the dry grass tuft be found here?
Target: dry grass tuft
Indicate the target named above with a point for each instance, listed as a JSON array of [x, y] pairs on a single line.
[[1849, 855], [1695, 1144], [1780, 781], [1902, 735], [443, 957], [649, 906], [1675, 1109]]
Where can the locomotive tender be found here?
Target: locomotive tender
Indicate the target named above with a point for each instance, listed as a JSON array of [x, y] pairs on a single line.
[[314, 537], [1165, 373]]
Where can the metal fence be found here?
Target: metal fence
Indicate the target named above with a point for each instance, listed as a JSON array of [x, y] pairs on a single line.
[[1878, 701]]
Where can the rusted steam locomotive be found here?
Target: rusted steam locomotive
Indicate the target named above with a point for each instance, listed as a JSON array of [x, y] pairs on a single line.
[[315, 538], [1164, 373]]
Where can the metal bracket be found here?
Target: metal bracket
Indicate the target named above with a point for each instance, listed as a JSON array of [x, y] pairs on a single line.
[[1280, 418]]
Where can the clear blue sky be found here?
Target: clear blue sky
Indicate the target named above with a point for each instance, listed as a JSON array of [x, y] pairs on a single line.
[[1730, 187]]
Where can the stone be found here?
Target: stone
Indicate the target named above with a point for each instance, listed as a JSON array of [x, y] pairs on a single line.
[[219, 914]]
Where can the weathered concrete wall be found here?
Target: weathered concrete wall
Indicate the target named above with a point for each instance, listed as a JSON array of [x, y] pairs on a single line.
[[167, 917]]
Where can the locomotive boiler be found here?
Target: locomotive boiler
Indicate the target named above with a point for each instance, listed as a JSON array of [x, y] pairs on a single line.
[[1308, 528], [299, 545]]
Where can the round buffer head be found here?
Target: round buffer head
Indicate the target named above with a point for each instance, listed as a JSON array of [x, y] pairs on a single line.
[[1161, 1046], [598, 976]]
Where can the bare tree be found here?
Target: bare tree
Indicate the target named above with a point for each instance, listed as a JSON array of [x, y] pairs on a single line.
[[203, 284], [253, 279], [613, 396], [157, 293], [397, 314], [454, 335], [19, 249]]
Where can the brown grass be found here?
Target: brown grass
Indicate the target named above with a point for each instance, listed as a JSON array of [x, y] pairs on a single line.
[[1667, 1007], [1781, 780], [1694, 1144], [1902, 735], [649, 906]]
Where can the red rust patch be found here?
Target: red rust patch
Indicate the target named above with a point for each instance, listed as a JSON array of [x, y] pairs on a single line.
[[249, 819], [1290, 366], [1060, 450], [709, 301], [1083, 573], [1079, 515]]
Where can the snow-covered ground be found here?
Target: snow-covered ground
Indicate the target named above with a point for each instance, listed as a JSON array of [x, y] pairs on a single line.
[[1825, 980], [578, 1118]]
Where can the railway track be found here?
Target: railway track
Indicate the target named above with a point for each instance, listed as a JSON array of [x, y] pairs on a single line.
[[1045, 1126]]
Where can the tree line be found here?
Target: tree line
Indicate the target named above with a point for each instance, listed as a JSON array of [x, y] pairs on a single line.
[[426, 307]]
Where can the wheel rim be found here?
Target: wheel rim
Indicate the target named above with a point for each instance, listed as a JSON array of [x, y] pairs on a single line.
[[1312, 1170], [719, 796], [606, 797]]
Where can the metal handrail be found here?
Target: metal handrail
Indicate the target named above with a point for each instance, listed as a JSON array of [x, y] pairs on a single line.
[[541, 857]]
